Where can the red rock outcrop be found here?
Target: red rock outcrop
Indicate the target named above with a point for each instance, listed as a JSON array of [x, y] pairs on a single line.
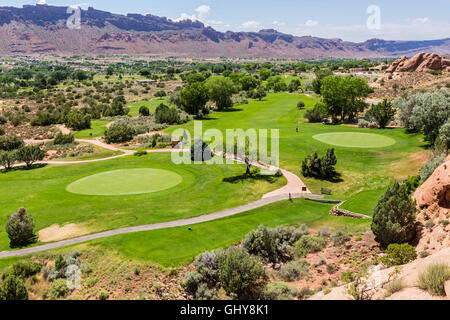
[[421, 62], [434, 194]]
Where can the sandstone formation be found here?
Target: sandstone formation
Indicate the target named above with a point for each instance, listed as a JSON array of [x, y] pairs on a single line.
[[421, 62]]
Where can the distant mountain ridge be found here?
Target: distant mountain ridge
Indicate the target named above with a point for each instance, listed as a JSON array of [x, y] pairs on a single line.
[[42, 29]]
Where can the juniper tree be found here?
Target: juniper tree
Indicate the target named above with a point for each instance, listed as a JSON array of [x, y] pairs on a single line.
[[394, 216], [19, 227]]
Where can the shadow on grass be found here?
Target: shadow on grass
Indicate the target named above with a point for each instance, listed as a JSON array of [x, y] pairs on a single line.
[[24, 168], [244, 177], [231, 110]]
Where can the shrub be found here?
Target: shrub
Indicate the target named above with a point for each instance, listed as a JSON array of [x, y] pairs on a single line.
[[279, 291], [13, 288], [58, 289], [8, 158], [202, 284], [23, 270], [394, 286], [317, 114], [340, 237], [398, 254], [313, 166], [19, 227], [9, 143], [347, 276], [30, 155], [103, 295], [242, 275], [77, 120], [118, 133], [144, 111], [62, 138], [164, 114], [394, 216], [2, 132], [140, 153], [428, 169], [309, 244], [434, 278], [200, 151], [331, 268], [293, 271], [300, 105], [363, 123]]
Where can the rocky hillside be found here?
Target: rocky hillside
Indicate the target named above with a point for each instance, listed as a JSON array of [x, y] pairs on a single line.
[[42, 29], [421, 62]]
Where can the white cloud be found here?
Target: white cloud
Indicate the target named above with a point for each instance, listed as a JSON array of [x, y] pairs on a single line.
[[311, 23], [279, 23], [203, 12], [42, 2], [251, 25], [422, 20]]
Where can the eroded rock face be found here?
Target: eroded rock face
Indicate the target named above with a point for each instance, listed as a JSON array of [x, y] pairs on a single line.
[[434, 194], [421, 62]]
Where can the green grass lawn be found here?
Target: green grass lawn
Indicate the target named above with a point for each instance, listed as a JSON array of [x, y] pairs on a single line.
[[125, 182], [99, 153], [98, 128], [175, 246], [150, 104], [368, 168], [355, 140], [363, 202], [43, 192]]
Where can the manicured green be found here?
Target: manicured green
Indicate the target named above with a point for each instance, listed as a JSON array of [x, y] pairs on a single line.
[[150, 104], [355, 140], [360, 168], [203, 190], [363, 202], [98, 128], [125, 182]]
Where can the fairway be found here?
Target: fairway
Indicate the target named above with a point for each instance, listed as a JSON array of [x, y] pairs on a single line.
[[355, 139], [125, 182]]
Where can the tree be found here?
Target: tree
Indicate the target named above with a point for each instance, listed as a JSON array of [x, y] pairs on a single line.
[[193, 98], [265, 73], [144, 111], [30, 155], [382, 113], [259, 93], [164, 114], [344, 96], [9, 143], [328, 162], [77, 120], [248, 83], [200, 151], [317, 114], [294, 85], [394, 216], [8, 158], [118, 133], [160, 94], [320, 168], [19, 227], [220, 90], [13, 288], [300, 105], [117, 107], [320, 75], [242, 275]]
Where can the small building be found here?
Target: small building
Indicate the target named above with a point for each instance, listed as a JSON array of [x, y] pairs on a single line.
[[146, 81]]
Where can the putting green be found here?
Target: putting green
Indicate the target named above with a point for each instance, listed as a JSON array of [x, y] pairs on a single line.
[[125, 182], [355, 139]]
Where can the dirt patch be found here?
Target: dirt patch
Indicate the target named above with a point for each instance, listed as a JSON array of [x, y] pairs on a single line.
[[56, 233], [410, 165]]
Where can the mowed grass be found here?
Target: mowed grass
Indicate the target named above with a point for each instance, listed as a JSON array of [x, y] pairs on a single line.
[[175, 246], [98, 128], [363, 202], [355, 140], [43, 192], [360, 168], [150, 104], [125, 182]]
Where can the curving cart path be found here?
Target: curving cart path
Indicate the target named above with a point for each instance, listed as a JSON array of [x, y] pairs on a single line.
[[293, 189]]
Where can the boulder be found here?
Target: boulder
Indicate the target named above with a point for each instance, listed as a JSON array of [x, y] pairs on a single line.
[[421, 62]]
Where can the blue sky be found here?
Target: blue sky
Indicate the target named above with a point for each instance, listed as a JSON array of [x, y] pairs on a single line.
[[345, 19]]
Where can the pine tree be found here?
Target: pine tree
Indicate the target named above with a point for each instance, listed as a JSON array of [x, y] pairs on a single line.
[[394, 216], [328, 162]]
